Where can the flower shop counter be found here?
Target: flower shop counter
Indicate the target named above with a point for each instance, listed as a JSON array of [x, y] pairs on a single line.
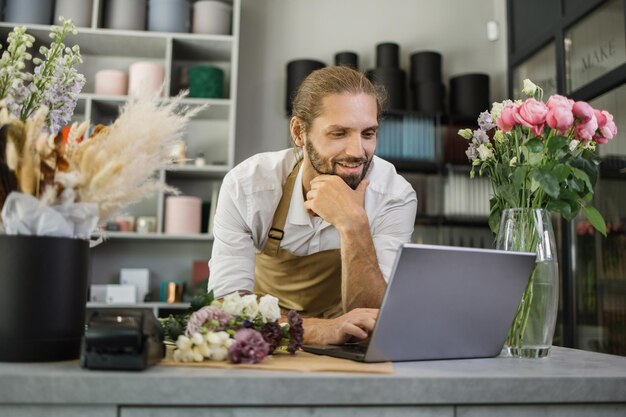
[[567, 383]]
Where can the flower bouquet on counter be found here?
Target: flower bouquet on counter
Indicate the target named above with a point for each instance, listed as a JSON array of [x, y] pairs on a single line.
[[542, 155], [58, 180], [239, 329]]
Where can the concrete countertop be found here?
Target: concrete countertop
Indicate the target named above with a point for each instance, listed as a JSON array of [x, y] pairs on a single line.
[[566, 376]]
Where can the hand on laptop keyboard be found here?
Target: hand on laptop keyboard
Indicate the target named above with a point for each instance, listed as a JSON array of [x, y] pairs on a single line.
[[356, 324]]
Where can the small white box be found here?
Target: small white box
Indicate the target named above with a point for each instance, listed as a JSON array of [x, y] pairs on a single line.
[[139, 277], [98, 293], [121, 294]]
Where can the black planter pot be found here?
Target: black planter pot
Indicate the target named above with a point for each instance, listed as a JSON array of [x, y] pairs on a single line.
[[43, 291], [297, 71], [394, 81]]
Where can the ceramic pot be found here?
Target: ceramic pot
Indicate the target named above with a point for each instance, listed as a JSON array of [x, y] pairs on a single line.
[[43, 294]]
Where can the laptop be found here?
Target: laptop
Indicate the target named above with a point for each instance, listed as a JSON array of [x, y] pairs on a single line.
[[443, 302]]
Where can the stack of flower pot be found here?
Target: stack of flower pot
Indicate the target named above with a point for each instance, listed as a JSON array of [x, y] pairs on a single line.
[[427, 88]]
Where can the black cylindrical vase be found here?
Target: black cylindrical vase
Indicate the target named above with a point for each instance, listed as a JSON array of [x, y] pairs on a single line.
[[43, 291], [425, 67], [469, 95], [394, 80], [348, 59], [297, 71], [387, 55], [428, 97]]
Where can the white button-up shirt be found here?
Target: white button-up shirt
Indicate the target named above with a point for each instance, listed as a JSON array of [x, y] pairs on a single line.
[[250, 194]]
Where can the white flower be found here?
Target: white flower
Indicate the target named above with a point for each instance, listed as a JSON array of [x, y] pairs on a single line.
[[213, 339], [530, 88], [499, 136], [183, 342], [572, 145], [466, 133], [496, 108], [485, 152], [268, 306], [197, 355], [219, 354], [513, 161], [233, 304], [205, 350], [197, 339], [250, 306]]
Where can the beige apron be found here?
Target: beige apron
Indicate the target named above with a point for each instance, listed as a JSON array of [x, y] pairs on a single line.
[[309, 284]]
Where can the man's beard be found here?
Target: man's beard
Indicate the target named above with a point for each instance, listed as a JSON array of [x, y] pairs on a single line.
[[318, 163]]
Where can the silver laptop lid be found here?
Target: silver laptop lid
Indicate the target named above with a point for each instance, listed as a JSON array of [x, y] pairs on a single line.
[[445, 302]]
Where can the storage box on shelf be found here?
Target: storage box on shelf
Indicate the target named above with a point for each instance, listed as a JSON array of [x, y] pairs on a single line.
[[209, 138]]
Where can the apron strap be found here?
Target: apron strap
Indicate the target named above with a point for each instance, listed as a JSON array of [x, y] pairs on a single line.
[[276, 232]]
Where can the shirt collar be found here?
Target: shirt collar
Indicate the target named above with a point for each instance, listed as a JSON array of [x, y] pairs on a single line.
[[297, 214]]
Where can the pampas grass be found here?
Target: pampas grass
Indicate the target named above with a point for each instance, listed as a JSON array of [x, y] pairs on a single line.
[[117, 166]]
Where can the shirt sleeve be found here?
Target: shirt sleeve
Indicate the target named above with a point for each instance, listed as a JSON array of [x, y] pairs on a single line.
[[233, 257], [394, 227]]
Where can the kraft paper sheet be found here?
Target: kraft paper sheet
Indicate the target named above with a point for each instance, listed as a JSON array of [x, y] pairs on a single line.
[[300, 362]]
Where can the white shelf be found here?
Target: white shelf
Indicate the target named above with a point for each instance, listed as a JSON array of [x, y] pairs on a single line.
[[156, 307], [156, 236]]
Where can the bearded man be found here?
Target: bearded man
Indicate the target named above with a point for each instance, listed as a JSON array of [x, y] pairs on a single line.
[[317, 226]]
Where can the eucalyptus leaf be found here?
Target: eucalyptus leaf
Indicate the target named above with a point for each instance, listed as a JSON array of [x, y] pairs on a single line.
[[596, 219], [548, 182], [557, 143], [562, 207]]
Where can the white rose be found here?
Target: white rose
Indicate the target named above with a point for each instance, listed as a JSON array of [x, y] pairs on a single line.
[[484, 152], [233, 304], [250, 306], [268, 306], [530, 88]]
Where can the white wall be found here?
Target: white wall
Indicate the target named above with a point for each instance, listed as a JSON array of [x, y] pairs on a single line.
[[274, 32]]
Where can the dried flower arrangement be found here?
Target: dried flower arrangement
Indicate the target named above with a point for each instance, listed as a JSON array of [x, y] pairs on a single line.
[[57, 184], [238, 329]]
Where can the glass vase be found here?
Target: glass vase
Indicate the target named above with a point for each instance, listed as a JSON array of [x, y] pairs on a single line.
[[530, 230]]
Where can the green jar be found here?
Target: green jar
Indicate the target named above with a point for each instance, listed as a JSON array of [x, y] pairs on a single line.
[[206, 82]]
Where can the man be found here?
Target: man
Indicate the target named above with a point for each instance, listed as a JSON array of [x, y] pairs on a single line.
[[317, 226]]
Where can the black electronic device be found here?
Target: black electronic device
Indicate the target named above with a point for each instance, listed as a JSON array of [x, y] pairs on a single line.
[[130, 340]]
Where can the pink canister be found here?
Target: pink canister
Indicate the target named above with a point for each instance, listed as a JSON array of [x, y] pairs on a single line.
[[111, 82], [183, 214], [146, 77]]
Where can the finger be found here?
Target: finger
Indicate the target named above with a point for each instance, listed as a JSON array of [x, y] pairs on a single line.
[[360, 189], [350, 329]]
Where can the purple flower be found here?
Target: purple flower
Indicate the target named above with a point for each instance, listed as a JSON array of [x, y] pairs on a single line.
[[296, 331], [485, 122], [480, 136], [471, 152], [211, 317], [272, 334], [249, 347]]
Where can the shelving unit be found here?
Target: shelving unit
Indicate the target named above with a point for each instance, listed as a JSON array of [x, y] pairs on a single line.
[[210, 134]]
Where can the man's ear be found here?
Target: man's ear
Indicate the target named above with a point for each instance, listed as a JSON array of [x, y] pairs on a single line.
[[296, 127]]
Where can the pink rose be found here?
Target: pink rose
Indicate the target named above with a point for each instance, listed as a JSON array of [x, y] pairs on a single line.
[[586, 131], [600, 140], [600, 118], [559, 101], [608, 129], [560, 118], [583, 111], [532, 114], [506, 121]]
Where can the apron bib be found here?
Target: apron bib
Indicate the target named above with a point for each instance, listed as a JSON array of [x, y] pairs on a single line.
[[309, 284]]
